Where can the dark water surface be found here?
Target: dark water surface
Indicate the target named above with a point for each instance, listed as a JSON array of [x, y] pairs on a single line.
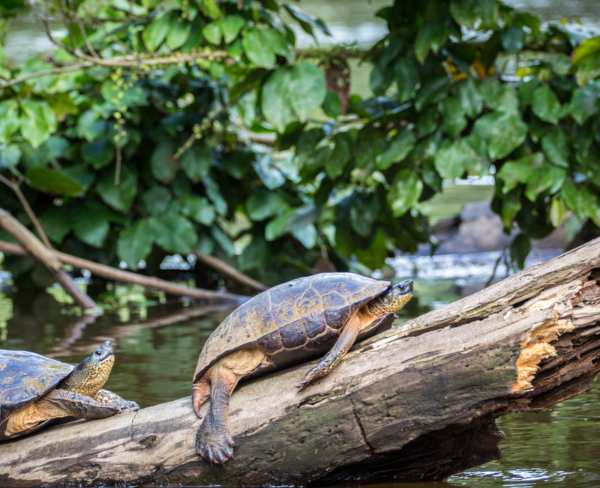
[[157, 348]]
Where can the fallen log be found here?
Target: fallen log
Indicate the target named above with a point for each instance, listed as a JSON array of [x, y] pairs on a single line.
[[417, 402]]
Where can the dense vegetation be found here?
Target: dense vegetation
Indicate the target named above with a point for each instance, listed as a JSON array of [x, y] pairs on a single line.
[[163, 127]]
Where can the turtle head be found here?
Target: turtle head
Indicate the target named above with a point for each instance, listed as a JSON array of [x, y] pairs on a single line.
[[393, 300], [90, 375]]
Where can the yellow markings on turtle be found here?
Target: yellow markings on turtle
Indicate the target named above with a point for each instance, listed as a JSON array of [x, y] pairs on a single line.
[[242, 362], [96, 377], [32, 414]]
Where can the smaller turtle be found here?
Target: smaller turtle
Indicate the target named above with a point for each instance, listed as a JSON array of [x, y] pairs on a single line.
[[285, 325], [35, 390]]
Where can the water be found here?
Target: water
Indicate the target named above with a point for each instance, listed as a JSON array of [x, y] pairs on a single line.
[[158, 343]]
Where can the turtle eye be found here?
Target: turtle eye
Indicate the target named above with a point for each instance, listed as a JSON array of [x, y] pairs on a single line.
[[97, 353]]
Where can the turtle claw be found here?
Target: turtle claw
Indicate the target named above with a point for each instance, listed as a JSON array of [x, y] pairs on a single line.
[[214, 447]]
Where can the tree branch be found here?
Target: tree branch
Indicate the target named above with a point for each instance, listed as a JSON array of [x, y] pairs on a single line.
[[228, 270], [115, 274], [36, 249]]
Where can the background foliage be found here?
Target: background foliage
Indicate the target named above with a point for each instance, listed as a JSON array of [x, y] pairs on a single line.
[[170, 127]]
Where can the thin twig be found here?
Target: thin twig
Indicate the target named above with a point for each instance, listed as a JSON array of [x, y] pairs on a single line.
[[115, 274], [228, 270], [121, 61], [30, 213]]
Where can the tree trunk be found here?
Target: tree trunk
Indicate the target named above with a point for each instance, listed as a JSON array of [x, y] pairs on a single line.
[[417, 402]]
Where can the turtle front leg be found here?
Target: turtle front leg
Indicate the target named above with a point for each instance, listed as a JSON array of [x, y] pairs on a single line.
[[82, 406], [213, 440], [110, 399], [343, 344]]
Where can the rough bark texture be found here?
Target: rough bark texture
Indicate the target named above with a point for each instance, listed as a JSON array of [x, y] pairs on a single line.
[[417, 402]]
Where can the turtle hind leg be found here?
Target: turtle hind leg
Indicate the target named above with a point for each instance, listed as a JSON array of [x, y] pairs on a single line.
[[213, 440], [200, 393], [343, 344]]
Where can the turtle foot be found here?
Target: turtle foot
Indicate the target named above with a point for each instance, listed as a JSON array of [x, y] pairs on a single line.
[[129, 406], [213, 446]]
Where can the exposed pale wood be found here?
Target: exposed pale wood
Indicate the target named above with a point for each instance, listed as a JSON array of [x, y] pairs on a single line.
[[417, 402], [122, 276]]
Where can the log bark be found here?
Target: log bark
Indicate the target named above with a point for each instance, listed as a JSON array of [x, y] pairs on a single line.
[[417, 402]]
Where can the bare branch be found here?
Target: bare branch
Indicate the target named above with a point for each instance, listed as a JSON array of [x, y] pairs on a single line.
[[115, 274]]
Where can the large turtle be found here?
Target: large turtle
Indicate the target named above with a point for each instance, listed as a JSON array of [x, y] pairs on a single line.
[[35, 389], [281, 326]]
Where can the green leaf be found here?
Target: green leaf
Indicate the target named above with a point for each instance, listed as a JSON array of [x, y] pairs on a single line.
[[520, 171], [38, 122], [210, 8], [98, 153], [332, 105], [291, 220], [454, 158], [404, 192], [223, 240], [53, 181], [174, 233], [198, 209], [545, 104], [231, 27], [275, 104], [584, 103], [155, 33], [406, 76], [255, 255], [511, 205], [179, 31], [430, 36], [589, 48], [307, 89], [548, 178], [156, 200], [519, 250], [513, 39], [214, 195], [268, 171], [90, 223], [135, 243], [454, 117], [581, 200], [257, 50], [398, 149], [164, 167], [196, 161], [470, 99], [10, 121], [504, 132], [556, 147], [340, 156], [558, 212], [9, 156], [374, 256], [264, 204], [57, 223], [213, 33], [121, 196]]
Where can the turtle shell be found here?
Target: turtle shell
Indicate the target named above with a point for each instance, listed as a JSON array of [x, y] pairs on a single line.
[[325, 299], [25, 377]]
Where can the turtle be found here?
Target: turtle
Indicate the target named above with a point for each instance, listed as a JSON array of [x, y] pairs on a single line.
[[35, 390], [282, 326]]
